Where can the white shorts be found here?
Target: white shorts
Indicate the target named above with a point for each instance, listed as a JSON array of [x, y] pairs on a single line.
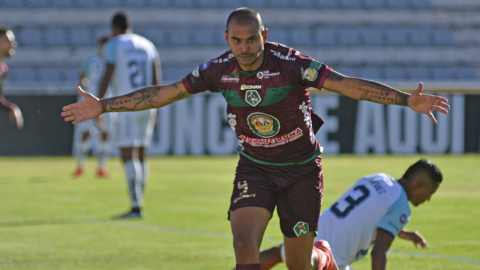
[[135, 129], [92, 126]]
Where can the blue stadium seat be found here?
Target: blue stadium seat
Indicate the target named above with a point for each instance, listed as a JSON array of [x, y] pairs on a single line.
[[86, 3], [398, 3], [13, 3], [70, 74], [62, 3], [420, 4], [208, 36], [231, 3], [109, 3], [443, 73], [326, 3], [278, 35], [304, 3], [301, 36], [350, 3], [349, 37], [443, 37], [421, 36], [157, 36], [395, 73], [179, 36], [325, 36], [397, 36], [100, 30], [49, 74], [175, 73], [184, 3], [55, 37], [30, 36], [281, 3], [347, 70], [135, 3], [371, 73], [22, 74], [256, 3], [417, 73], [160, 3], [81, 36], [374, 4], [373, 36], [37, 3], [466, 73], [208, 3]]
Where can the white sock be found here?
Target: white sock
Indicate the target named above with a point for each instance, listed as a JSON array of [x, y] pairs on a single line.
[[133, 171], [282, 252], [81, 153], [145, 171], [102, 156]]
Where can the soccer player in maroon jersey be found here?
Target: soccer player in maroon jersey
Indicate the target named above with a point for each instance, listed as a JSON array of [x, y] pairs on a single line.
[[266, 87], [7, 49]]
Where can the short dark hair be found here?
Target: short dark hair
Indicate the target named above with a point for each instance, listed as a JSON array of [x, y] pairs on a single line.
[[245, 16], [102, 39], [120, 21], [4, 29], [426, 166]]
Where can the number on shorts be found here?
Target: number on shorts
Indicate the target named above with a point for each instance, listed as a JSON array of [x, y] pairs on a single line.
[[138, 73], [351, 202]]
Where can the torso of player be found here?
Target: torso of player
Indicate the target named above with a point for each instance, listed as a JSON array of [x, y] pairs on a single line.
[[3, 72], [94, 67], [351, 222], [134, 62], [267, 109]]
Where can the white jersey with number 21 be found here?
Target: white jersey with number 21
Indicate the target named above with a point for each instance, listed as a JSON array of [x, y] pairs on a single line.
[[350, 224]]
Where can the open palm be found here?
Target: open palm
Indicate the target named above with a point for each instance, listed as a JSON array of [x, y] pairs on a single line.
[[89, 108], [424, 103]]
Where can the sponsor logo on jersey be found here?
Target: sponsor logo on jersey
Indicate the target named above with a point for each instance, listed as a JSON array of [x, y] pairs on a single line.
[[205, 65], [250, 86], [301, 228], [243, 185], [266, 74], [310, 74], [252, 98], [233, 77], [316, 65], [403, 218], [263, 125], [260, 75], [272, 142], [283, 57], [196, 72]]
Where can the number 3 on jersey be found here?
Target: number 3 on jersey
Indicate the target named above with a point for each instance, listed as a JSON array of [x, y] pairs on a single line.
[[138, 73], [361, 189]]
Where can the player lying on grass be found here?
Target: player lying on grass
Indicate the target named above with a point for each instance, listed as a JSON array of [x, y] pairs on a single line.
[[375, 210], [266, 87], [7, 49]]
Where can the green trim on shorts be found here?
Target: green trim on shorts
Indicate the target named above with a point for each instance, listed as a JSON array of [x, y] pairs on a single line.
[[279, 164]]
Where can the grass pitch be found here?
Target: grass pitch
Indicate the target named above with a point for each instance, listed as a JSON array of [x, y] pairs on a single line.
[[49, 221]]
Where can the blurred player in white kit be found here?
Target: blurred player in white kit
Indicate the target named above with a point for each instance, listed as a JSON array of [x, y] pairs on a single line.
[[132, 62]]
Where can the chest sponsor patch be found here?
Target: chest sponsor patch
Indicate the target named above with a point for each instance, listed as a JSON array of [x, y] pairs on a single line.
[[252, 98], [272, 142], [263, 125], [250, 87]]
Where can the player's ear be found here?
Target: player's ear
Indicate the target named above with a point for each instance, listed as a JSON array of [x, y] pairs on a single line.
[[265, 35], [226, 37]]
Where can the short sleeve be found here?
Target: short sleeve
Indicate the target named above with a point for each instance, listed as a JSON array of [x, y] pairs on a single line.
[[110, 52], [203, 78], [397, 216], [304, 71]]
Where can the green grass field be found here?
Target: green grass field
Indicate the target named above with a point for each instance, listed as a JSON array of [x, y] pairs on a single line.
[[49, 221]]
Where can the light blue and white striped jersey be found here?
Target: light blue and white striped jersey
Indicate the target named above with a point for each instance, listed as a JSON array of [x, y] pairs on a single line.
[[133, 57], [350, 224], [93, 67]]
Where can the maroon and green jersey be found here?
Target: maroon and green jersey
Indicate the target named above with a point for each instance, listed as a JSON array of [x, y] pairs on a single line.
[[4, 104], [269, 109]]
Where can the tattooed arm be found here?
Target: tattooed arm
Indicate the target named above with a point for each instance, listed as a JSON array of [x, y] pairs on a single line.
[[142, 99], [362, 89]]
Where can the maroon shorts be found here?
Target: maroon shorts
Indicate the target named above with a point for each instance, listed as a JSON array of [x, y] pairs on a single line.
[[296, 191]]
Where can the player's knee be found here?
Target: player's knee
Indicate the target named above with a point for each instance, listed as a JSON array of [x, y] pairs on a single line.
[[243, 243], [298, 263]]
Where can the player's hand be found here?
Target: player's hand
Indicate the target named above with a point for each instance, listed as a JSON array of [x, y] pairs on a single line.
[[16, 116], [90, 107], [424, 103], [417, 239]]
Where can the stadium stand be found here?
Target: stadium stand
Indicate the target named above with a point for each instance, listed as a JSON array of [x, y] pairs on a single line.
[[386, 40]]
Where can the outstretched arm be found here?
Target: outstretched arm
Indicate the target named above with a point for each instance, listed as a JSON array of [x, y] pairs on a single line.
[[362, 89], [383, 241], [415, 237], [142, 99], [14, 112]]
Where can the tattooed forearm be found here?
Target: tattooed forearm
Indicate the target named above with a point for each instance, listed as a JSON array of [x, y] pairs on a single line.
[[335, 76], [180, 96], [380, 93], [139, 100]]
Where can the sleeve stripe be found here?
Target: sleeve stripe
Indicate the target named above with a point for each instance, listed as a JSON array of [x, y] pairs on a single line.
[[187, 86], [324, 77]]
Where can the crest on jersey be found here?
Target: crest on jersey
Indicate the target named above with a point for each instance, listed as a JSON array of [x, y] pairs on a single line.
[[310, 74], [263, 125], [403, 218], [252, 98], [301, 228], [260, 75], [205, 65], [196, 72]]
